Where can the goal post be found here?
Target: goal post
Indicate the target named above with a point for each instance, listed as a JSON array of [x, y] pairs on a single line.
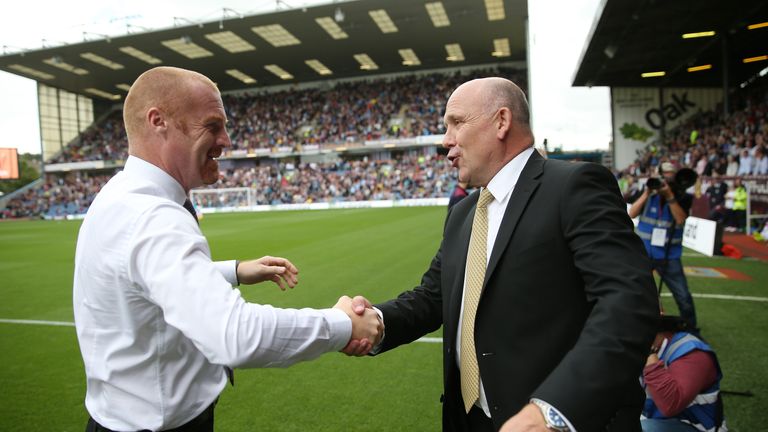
[[225, 198]]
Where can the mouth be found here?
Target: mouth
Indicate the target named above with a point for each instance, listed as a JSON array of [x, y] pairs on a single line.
[[454, 161], [214, 154]]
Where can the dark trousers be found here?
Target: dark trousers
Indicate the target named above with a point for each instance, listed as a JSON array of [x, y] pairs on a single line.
[[672, 273], [201, 423], [478, 421]]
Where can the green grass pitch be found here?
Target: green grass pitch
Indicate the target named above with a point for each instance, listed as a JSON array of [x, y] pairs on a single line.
[[373, 252]]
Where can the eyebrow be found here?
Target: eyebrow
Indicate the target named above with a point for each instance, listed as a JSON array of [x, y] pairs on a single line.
[[215, 119]]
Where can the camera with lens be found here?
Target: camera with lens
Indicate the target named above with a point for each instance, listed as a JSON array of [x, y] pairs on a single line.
[[684, 178], [654, 183]]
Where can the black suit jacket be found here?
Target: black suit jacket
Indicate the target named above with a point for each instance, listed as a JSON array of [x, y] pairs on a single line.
[[568, 308]]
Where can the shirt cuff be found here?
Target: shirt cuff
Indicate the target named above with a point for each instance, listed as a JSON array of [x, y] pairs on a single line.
[[340, 327], [377, 348], [567, 422], [228, 269]]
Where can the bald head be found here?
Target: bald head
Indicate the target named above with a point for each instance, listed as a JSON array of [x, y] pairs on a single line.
[[164, 88], [496, 93]]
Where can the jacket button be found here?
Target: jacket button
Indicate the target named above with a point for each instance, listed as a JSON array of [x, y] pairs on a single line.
[[449, 350], [495, 407]]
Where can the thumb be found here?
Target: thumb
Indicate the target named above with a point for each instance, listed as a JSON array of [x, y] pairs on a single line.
[[359, 304]]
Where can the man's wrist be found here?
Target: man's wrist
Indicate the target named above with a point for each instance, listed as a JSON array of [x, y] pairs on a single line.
[[553, 419]]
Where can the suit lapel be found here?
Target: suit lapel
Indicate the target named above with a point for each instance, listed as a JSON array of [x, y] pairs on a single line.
[[526, 185]]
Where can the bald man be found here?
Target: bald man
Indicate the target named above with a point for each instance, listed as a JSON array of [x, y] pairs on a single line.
[[159, 324], [543, 290]]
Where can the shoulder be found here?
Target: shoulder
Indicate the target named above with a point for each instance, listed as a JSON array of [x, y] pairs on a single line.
[[566, 168], [462, 209], [565, 174]]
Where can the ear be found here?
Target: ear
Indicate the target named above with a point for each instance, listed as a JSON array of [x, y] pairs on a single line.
[[156, 119], [503, 123]]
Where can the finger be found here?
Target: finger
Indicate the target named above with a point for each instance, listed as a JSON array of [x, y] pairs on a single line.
[[294, 280], [273, 269], [276, 279], [289, 281], [352, 347], [360, 347], [282, 262], [359, 304], [365, 348]]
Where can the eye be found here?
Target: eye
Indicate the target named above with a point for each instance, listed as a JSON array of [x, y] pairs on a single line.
[[214, 126]]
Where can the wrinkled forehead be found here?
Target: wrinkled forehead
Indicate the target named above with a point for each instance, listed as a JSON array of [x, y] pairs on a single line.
[[469, 90], [466, 97]]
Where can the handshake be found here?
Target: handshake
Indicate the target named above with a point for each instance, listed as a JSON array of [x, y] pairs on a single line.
[[367, 326]]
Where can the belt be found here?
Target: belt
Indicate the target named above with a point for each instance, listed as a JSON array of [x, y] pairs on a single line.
[[202, 423]]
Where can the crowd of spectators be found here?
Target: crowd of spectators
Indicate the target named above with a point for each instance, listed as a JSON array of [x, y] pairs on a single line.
[[711, 142], [349, 180], [347, 112], [717, 147], [105, 140], [56, 198], [284, 183]]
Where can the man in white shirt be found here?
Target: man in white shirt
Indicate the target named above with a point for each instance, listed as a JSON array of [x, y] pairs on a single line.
[[746, 162], [158, 322], [761, 162]]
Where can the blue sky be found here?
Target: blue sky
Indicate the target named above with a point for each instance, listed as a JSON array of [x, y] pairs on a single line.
[[574, 118]]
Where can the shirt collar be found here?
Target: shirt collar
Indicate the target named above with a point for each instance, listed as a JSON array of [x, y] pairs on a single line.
[[502, 184], [166, 185]]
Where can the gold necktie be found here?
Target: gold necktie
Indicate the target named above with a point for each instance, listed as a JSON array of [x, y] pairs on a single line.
[[477, 260]]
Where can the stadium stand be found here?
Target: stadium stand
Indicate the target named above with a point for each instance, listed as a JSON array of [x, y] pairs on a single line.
[[349, 112], [284, 183], [707, 142]]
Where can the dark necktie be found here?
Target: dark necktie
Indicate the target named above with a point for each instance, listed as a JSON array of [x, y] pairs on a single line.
[[191, 209]]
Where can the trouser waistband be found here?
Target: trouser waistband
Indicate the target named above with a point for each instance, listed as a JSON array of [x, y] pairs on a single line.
[[202, 423]]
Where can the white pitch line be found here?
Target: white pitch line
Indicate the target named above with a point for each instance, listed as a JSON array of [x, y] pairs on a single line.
[[424, 339], [724, 297], [430, 339], [37, 322]]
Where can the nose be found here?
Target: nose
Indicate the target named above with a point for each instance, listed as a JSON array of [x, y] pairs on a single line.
[[225, 141], [449, 140]]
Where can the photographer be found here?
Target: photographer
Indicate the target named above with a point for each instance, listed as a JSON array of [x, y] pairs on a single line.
[[682, 382], [663, 207]]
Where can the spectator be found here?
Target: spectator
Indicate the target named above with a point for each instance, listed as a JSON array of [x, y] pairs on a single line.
[[737, 219], [682, 382], [745, 163], [716, 197], [761, 162], [733, 166]]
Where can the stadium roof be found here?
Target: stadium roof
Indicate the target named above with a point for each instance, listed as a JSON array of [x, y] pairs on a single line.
[[242, 52], [632, 37]]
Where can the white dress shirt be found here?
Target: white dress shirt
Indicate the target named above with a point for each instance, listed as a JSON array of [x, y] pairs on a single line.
[[156, 319], [501, 187]]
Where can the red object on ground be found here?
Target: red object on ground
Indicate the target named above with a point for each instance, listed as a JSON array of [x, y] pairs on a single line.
[[747, 245], [731, 251]]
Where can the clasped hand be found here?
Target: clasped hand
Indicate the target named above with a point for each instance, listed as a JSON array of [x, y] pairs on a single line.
[[367, 327]]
